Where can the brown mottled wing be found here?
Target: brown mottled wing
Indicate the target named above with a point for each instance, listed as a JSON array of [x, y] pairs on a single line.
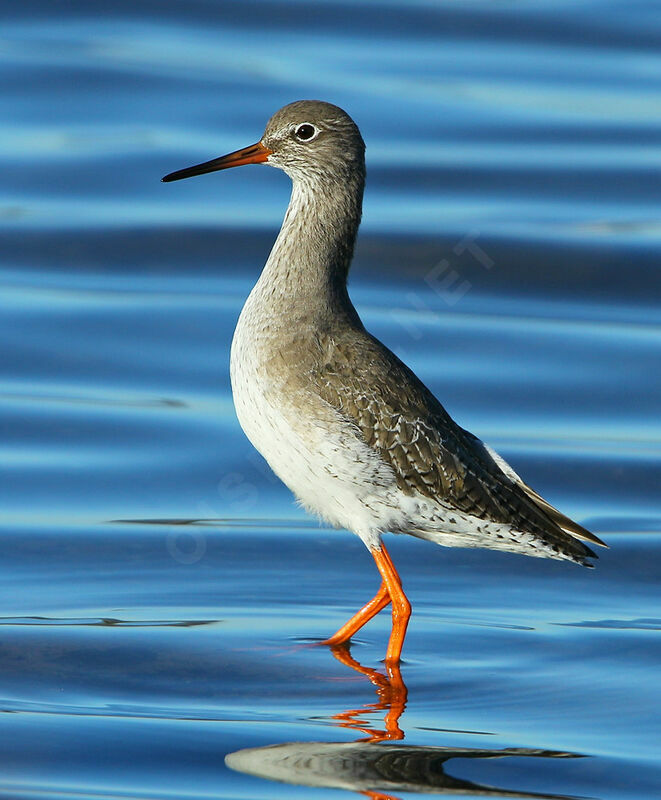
[[401, 419]]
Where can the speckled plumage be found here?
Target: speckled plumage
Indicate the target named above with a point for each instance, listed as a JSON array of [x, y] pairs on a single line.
[[432, 456]]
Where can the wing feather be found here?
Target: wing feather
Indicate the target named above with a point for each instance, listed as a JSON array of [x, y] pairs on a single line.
[[400, 418]]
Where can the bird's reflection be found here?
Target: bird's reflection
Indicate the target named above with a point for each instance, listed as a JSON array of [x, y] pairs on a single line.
[[377, 764], [377, 770]]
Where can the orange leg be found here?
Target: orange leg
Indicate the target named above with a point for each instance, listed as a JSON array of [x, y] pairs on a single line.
[[390, 591], [369, 610], [378, 796], [401, 608]]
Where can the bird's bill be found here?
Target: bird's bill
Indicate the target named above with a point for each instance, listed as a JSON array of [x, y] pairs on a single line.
[[255, 154]]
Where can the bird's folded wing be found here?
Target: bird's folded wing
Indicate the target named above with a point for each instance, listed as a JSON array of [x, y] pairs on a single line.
[[400, 418]]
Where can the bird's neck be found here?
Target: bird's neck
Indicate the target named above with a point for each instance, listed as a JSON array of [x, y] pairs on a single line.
[[306, 272]]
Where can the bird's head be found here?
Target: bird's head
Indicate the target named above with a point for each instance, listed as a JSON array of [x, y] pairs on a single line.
[[312, 141]]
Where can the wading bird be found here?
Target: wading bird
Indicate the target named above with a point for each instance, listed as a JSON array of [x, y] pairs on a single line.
[[341, 420]]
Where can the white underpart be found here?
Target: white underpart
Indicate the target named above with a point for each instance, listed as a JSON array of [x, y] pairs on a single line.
[[330, 470]]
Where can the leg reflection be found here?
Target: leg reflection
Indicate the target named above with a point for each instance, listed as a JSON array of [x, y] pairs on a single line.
[[392, 695]]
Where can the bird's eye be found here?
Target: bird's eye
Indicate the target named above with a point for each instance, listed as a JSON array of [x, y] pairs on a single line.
[[305, 132]]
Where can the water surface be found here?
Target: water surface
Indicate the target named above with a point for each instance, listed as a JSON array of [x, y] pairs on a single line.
[[162, 594]]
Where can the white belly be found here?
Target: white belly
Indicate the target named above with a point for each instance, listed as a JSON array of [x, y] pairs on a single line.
[[310, 447]]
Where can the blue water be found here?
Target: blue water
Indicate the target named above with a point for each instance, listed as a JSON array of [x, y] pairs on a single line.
[[161, 592]]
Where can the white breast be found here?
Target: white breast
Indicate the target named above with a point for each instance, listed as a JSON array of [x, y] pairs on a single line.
[[316, 453]]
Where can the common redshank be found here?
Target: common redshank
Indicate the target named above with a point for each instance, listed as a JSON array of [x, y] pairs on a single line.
[[345, 424]]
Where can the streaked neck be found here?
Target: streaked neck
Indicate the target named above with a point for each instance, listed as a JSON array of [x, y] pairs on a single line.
[[308, 265]]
